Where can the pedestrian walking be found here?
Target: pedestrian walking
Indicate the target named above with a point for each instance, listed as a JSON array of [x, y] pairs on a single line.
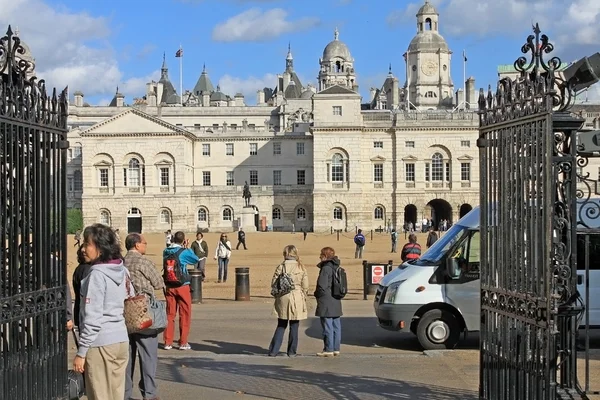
[[394, 237], [200, 249], [411, 250], [103, 350], [432, 237], [291, 307], [146, 280], [168, 238], [360, 242], [329, 309], [304, 233], [176, 260], [77, 238], [241, 239], [222, 255]]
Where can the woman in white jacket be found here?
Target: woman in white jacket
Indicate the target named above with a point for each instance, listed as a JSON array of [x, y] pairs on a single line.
[[222, 255]]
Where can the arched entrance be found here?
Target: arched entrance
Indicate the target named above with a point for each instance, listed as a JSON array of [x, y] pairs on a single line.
[[464, 210], [437, 210], [134, 221], [410, 214]]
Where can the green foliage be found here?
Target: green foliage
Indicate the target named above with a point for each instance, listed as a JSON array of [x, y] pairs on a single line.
[[74, 220]]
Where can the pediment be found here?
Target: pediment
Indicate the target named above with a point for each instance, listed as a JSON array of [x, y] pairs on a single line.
[[133, 121], [164, 162], [410, 158], [103, 163], [337, 89], [378, 158], [465, 157]]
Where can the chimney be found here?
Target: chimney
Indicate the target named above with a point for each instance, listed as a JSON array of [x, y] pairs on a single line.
[[120, 100], [470, 93], [78, 98], [395, 94], [205, 99], [460, 98], [286, 80], [159, 92], [373, 91], [260, 97], [231, 103], [245, 124], [239, 100]]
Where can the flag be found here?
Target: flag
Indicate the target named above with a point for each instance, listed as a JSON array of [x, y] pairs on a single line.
[[179, 53], [465, 56]]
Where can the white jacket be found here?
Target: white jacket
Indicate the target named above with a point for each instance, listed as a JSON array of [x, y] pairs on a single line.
[[221, 251]]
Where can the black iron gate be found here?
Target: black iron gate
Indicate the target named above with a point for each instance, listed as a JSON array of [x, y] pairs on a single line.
[[528, 235], [33, 142]]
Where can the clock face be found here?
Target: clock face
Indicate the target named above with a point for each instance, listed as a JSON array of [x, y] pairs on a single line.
[[429, 68]]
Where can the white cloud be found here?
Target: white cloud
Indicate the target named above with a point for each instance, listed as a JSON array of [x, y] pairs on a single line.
[[255, 25], [247, 86], [60, 41]]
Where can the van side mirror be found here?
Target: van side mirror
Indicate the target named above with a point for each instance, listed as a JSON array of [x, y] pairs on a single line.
[[452, 268], [579, 279]]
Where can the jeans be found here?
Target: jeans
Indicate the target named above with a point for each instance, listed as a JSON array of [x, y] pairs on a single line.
[[332, 333], [278, 337], [179, 299], [358, 252], [243, 243], [201, 266], [223, 262], [394, 247], [147, 347]]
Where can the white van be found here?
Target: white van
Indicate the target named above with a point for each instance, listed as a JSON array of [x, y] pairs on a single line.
[[433, 299]]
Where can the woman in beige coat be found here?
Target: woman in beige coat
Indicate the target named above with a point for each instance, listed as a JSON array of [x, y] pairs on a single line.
[[290, 308]]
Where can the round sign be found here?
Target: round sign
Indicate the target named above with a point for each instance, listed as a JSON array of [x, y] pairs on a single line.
[[377, 270], [376, 274]]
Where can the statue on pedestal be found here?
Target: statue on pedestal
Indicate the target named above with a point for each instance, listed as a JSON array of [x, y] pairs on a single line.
[[246, 194]]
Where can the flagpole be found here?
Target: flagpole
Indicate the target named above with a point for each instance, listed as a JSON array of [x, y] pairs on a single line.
[[181, 76], [465, 78]]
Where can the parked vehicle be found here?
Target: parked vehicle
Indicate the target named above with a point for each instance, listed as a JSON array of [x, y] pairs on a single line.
[[437, 297]]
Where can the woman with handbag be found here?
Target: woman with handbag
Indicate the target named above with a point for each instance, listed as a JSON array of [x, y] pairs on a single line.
[[103, 350], [146, 280], [289, 286], [222, 255]]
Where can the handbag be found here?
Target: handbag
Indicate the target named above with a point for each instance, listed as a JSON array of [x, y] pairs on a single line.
[[136, 310], [283, 285], [76, 380], [158, 312]]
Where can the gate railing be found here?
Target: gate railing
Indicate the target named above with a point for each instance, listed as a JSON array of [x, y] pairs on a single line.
[[33, 143]]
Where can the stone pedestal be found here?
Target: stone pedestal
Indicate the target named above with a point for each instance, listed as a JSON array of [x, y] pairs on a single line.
[[247, 219]]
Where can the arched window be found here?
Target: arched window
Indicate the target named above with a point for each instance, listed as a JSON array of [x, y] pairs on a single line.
[[165, 217], [105, 217], [338, 213], [301, 214], [378, 213], [134, 211], [276, 213], [437, 167], [339, 67], [133, 174], [337, 168], [227, 214], [428, 24], [77, 181], [202, 215]]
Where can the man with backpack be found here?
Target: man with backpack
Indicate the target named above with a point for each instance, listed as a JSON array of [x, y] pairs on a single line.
[[176, 258], [360, 241]]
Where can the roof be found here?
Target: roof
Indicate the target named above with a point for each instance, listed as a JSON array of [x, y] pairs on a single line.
[[336, 49], [294, 88], [204, 84], [218, 95], [337, 89], [169, 94], [427, 8], [428, 40]]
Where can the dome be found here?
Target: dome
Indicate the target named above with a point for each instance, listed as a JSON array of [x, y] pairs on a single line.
[[336, 49], [307, 94], [427, 9], [428, 40]]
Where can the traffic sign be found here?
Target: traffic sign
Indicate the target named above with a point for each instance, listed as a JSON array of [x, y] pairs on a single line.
[[377, 273]]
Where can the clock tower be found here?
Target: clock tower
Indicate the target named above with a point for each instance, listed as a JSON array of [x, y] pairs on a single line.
[[428, 64]]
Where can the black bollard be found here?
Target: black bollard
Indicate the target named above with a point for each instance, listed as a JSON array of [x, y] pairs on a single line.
[[338, 235], [196, 285], [242, 284]]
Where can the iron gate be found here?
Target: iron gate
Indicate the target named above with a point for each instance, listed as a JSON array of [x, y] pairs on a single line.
[[33, 337], [528, 235]]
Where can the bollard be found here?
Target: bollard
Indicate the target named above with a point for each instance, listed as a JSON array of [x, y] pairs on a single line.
[[242, 284], [196, 285], [338, 235], [365, 279], [371, 235]]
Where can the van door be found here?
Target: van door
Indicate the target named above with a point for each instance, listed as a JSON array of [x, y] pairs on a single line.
[[462, 285], [594, 274]]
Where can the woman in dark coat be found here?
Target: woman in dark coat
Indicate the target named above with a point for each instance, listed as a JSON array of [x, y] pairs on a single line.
[[329, 309], [79, 274]]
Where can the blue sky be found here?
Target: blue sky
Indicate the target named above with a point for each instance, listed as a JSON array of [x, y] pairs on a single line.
[[96, 45]]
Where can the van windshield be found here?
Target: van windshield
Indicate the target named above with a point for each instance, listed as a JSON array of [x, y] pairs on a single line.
[[435, 253]]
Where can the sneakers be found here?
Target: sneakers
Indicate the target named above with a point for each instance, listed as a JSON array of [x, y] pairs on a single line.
[[185, 347], [167, 347], [336, 353], [325, 354]]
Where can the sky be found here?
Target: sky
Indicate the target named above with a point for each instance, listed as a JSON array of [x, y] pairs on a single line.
[[94, 46]]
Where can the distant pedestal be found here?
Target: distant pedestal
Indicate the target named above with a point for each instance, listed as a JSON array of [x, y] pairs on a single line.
[[247, 219]]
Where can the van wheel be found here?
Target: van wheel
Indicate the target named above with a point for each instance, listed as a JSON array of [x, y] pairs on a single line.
[[437, 330]]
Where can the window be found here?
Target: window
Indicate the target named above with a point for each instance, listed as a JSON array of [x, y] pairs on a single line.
[[254, 178], [276, 213], [206, 149], [206, 178], [378, 145], [277, 148], [76, 151], [197, 126], [300, 149], [70, 184], [409, 170], [301, 214], [133, 175], [276, 178], [165, 217], [229, 178], [202, 215], [337, 110], [427, 168], [465, 143], [301, 177], [377, 172], [337, 168], [338, 213], [164, 176], [105, 217], [437, 167], [229, 149], [233, 127], [77, 181], [465, 171], [409, 143], [103, 177], [227, 214], [378, 213], [253, 149], [448, 172]]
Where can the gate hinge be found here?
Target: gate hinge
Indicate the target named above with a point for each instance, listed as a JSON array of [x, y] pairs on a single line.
[[63, 144], [481, 143]]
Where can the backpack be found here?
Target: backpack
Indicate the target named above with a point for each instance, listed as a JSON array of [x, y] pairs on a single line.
[[340, 283], [173, 274], [359, 240], [283, 285]]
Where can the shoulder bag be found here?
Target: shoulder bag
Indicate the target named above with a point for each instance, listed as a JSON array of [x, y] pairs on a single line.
[[136, 310]]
